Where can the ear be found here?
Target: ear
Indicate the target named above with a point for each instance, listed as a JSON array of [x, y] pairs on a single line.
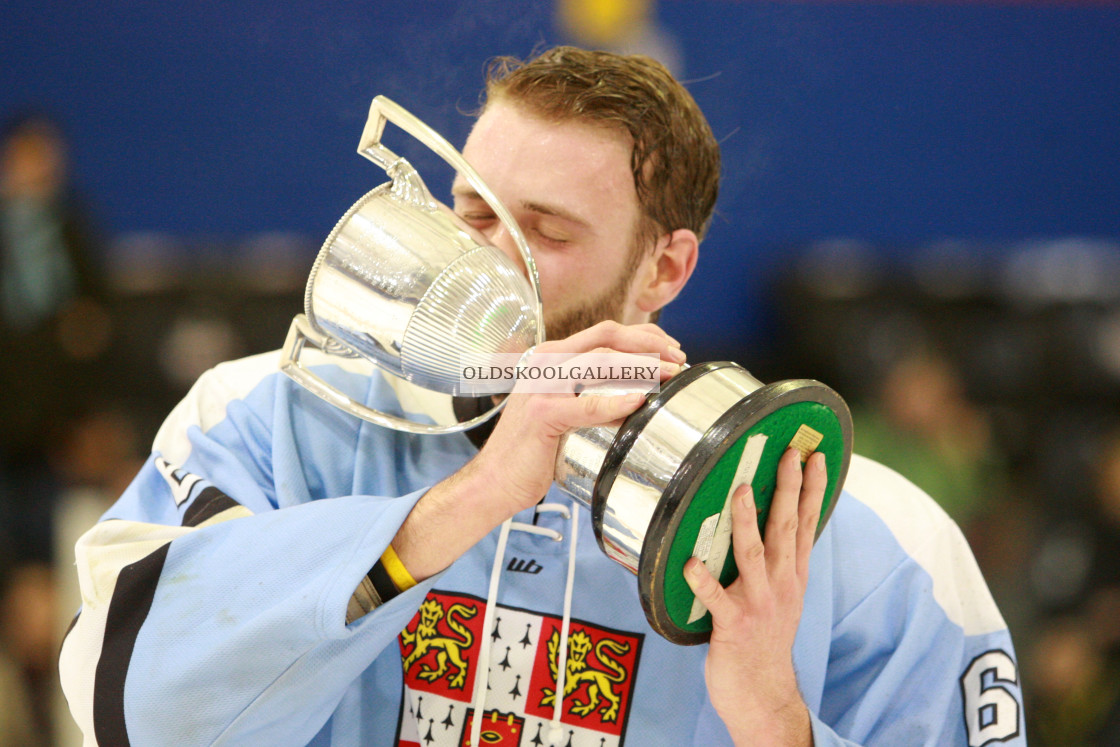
[[664, 273]]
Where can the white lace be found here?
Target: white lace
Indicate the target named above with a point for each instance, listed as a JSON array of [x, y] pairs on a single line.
[[478, 700]]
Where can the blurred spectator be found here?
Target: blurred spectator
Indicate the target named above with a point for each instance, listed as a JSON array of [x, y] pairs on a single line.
[[53, 322], [1075, 580], [1077, 565], [1072, 684], [54, 334], [922, 425], [27, 654]]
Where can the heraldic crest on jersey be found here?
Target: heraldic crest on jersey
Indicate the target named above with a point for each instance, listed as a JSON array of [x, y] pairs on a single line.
[[601, 683], [439, 653], [427, 636]]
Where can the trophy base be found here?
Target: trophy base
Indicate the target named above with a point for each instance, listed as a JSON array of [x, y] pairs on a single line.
[[692, 515]]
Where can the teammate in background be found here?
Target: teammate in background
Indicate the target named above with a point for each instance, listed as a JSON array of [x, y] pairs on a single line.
[[282, 573]]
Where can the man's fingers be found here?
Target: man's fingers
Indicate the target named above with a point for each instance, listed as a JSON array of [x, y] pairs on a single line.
[[765, 568], [706, 587], [809, 511], [746, 543], [782, 524], [640, 338], [668, 368], [563, 413]]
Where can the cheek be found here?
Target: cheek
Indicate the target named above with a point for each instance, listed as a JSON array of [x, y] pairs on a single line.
[[554, 281], [576, 276]]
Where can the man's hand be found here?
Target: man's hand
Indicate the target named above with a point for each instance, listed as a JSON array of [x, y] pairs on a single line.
[[515, 468], [520, 454], [749, 669]]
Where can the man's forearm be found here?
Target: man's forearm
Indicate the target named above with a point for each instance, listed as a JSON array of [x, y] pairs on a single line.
[[788, 726], [447, 521]]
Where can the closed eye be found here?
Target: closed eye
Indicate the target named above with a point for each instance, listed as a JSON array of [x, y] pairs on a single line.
[[478, 219], [549, 238]]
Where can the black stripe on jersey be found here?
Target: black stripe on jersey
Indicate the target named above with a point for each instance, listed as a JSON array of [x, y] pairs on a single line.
[[209, 503], [382, 582], [132, 599]]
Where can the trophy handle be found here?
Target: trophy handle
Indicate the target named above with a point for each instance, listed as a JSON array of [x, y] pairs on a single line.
[[406, 182], [300, 333]]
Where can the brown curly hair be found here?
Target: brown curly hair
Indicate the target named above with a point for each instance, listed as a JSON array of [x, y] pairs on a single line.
[[675, 158]]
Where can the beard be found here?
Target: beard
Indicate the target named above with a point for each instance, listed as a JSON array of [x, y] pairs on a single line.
[[608, 305]]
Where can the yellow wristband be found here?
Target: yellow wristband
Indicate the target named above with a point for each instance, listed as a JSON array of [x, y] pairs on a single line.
[[398, 574]]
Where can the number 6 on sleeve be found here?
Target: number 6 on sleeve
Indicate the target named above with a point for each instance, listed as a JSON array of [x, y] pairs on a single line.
[[991, 711]]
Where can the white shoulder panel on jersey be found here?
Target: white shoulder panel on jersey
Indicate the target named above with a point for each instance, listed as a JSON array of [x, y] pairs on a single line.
[[932, 539], [205, 404]]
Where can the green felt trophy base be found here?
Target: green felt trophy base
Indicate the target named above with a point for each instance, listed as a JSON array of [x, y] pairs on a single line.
[[745, 444]]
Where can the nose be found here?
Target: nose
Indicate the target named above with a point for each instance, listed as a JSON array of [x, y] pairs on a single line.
[[499, 235]]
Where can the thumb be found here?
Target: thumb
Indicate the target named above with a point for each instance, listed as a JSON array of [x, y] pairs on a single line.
[[705, 586]]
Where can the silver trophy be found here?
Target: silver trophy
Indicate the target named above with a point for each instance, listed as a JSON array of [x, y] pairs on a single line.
[[405, 285]]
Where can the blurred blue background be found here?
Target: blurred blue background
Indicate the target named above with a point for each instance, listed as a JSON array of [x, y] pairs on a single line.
[[920, 206], [895, 123]]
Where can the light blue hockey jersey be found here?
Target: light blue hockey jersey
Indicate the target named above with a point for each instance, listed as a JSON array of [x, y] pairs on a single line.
[[215, 596]]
